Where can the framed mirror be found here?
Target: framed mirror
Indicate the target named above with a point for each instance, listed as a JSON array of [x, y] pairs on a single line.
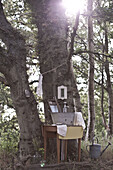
[[62, 92], [54, 106]]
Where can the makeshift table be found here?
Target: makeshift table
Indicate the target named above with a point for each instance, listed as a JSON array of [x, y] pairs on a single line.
[[73, 132]]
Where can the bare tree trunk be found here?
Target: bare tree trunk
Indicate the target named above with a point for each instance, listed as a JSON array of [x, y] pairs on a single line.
[[13, 66], [110, 100], [91, 107], [109, 86], [102, 97]]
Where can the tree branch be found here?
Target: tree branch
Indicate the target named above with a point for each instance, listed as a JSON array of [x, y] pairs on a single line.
[[15, 43], [72, 38], [3, 80], [11, 37], [92, 52], [35, 81]]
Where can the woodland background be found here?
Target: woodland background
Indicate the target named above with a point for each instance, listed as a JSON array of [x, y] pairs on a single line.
[[27, 49]]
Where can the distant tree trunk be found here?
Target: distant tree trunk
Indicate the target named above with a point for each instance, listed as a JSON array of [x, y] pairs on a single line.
[[91, 107], [110, 94], [102, 97], [109, 86], [13, 66], [53, 54]]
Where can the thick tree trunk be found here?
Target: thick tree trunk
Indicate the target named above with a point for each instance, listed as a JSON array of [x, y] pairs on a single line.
[[13, 66], [53, 54], [26, 110], [91, 107]]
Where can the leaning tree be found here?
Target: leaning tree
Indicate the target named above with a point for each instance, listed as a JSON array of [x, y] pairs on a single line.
[[13, 67]]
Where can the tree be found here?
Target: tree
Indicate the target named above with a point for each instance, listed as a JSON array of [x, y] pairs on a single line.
[[91, 108], [109, 85], [50, 19], [13, 67]]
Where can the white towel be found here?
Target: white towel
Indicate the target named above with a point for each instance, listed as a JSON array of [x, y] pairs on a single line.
[[39, 91], [78, 119], [62, 130]]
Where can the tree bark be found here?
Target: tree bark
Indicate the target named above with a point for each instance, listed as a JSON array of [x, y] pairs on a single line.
[[53, 54], [91, 107], [13, 66]]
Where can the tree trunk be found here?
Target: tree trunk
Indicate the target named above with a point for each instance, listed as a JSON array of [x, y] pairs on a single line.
[[26, 109], [102, 97], [53, 54], [110, 99], [91, 108], [13, 66], [109, 86]]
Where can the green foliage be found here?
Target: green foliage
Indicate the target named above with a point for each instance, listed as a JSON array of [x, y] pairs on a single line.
[[9, 134]]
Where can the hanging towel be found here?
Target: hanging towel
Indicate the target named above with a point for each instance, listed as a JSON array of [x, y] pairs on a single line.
[[39, 88], [78, 119], [62, 130]]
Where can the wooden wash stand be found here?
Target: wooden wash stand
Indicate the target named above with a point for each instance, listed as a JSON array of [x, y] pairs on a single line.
[[73, 132]]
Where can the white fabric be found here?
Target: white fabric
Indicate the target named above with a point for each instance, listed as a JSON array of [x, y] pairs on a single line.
[[39, 88], [62, 130], [78, 119]]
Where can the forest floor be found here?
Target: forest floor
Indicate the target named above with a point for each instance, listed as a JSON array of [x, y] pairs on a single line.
[[105, 162], [84, 165]]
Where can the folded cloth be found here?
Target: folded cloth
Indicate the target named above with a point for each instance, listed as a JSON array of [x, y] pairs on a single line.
[[62, 130], [78, 119]]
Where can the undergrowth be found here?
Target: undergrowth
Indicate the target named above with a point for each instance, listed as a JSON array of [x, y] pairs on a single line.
[[9, 137]]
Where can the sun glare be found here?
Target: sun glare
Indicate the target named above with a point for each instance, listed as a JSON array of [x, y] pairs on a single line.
[[73, 6]]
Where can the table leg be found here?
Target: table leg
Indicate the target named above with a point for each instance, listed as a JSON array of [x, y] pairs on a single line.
[[62, 149], [45, 144], [58, 149], [79, 149], [65, 150]]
